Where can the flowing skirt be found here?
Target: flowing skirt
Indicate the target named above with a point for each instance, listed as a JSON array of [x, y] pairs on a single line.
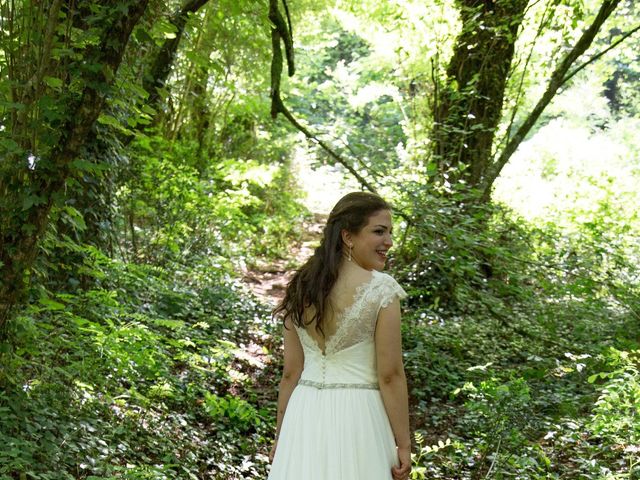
[[334, 434]]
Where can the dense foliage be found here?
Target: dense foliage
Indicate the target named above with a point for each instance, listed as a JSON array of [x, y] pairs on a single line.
[[143, 185], [148, 374], [521, 347]]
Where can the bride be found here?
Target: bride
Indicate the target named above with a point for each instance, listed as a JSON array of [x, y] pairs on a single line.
[[342, 402]]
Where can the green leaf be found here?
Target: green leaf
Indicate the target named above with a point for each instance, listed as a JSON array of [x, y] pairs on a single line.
[[85, 165], [112, 121], [32, 200], [51, 304], [10, 146], [109, 120], [12, 105], [53, 82], [74, 218], [142, 35]]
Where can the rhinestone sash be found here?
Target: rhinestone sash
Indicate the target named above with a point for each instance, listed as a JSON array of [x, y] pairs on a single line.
[[323, 386]]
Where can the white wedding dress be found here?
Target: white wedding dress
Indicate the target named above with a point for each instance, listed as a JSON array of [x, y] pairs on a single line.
[[335, 426]]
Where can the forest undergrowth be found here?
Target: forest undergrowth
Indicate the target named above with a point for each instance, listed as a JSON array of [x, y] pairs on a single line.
[[523, 368]]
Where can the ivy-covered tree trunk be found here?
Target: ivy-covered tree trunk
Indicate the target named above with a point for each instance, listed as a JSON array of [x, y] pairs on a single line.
[[98, 189], [469, 107], [156, 76], [65, 95]]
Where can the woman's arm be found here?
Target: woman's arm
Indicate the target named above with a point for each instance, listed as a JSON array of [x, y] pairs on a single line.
[[393, 382], [291, 371]]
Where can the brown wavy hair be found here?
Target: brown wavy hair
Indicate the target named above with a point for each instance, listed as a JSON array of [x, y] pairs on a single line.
[[313, 282]]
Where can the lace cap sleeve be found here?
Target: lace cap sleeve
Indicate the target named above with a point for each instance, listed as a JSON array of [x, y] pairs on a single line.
[[390, 289]]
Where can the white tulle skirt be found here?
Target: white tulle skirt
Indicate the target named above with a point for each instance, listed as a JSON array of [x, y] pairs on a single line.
[[334, 434]]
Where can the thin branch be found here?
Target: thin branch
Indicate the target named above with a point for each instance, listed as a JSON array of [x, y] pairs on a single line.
[[279, 32], [52, 22], [558, 79], [286, 10], [495, 458], [371, 170], [524, 70], [600, 54], [436, 101], [289, 116], [283, 33]]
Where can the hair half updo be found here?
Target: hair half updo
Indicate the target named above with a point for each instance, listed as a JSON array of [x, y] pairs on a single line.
[[312, 283]]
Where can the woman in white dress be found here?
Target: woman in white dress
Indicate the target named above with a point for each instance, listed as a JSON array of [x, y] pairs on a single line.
[[342, 402]]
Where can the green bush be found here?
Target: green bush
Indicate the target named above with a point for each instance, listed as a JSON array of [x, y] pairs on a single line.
[[118, 381], [171, 212], [615, 418]]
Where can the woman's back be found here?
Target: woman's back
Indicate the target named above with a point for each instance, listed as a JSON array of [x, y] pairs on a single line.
[[341, 299], [336, 427]]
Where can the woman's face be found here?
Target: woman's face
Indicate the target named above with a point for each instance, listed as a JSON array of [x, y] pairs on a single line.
[[371, 244]]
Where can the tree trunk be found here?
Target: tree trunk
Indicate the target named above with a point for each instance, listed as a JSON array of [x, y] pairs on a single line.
[[469, 109], [156, 77], [29, 188]]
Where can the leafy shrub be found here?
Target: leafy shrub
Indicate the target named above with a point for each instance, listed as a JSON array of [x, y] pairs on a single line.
[[615, 418], [170, 212], [118, 381], [458, 255], [512, 316]]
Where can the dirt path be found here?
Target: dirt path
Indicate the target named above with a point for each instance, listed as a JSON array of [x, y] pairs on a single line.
[[268, 280]]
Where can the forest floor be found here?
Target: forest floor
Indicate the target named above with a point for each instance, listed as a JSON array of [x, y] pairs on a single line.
[[268, 280]]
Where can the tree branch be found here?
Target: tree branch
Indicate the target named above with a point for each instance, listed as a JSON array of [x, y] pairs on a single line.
[[289, 116], [539, 31], [283, 32], [45, 59], [288, 41], [600, 54], [558, 79], [279, 31]]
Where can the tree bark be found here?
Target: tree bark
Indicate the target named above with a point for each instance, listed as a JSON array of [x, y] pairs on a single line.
[[30, 191], [469, 108], [157, 76]]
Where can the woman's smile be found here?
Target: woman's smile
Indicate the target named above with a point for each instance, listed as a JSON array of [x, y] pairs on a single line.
[[370, 246]]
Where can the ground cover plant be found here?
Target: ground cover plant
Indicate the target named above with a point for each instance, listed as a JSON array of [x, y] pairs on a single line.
[[171, 373], [146, 375], [518, 347]]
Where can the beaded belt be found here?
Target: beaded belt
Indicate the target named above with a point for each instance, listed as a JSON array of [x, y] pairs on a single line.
[[322, 385]]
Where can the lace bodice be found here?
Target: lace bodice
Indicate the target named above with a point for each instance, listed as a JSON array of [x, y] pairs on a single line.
[[358, 321]]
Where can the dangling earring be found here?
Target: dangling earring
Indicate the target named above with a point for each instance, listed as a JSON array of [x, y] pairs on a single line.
[[350, 249]]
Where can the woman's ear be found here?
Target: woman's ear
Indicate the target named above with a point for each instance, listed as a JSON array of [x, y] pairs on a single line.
[[346, 236]]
